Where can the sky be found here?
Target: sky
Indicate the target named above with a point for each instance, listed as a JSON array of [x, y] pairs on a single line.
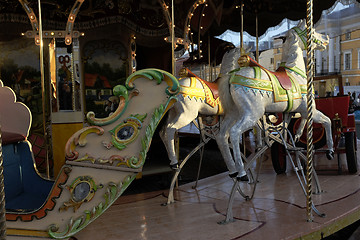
[[234, 37]]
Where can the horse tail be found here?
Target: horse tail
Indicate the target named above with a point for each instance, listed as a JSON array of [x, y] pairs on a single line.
[[224, 93]]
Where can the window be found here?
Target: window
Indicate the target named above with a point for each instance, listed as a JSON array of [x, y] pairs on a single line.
[[347, 82], [277, 65], [348, 36], [106, 92], [347, 60], [271, 60]]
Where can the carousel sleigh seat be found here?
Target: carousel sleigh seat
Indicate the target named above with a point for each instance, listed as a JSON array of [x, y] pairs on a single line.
[[25, 190]]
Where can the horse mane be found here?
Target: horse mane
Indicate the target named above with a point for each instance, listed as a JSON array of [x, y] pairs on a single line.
[[224, 93], [229, 62], [291, 49]]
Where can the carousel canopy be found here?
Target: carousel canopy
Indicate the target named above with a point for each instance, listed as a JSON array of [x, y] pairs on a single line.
[[148, 16]]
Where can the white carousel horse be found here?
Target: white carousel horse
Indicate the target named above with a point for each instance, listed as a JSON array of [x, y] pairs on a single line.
[[195, 97], [249, 92], [191, 101]]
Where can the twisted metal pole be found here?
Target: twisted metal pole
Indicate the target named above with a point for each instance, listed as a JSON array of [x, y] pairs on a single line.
[[2, 196], [257, 37], [310, 101], [242, 25], [173, 60]]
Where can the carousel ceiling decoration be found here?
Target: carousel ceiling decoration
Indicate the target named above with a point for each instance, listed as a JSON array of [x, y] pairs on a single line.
[[69, 32], [152, 18]]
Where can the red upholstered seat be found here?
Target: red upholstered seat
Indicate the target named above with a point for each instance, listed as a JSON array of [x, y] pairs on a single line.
[[9, 137]]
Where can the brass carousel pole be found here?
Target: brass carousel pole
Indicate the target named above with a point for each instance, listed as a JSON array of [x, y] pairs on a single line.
[[200, 41], [43, 94], [257, 37], [2, 196], [242, 25], [172, 38], [310, 100], [209, 60]]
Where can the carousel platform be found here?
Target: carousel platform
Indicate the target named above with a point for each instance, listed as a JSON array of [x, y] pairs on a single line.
[[277, 211]]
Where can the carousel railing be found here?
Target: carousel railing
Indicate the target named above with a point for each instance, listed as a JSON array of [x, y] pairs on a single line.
[[2, 194]]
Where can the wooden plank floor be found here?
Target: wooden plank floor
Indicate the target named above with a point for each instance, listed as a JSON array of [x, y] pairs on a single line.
[[277, 210]]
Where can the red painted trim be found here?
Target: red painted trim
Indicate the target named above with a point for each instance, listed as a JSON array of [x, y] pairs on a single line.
[[50, 203]]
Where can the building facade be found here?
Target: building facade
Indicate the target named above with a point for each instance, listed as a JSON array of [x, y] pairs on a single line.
[[341, 59], [339, 64]]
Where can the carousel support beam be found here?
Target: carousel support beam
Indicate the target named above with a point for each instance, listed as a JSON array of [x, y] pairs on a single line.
[[71, 20], [133, 54], [209, 60], [242, 25], [310, 100], [200, 29], [32, 17], [2, 196], [43, 94], [50, 34], [199, 36], [165, 9], [172, 38], [257, 38]]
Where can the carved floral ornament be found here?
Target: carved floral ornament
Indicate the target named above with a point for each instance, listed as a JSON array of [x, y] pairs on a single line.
[[127, 131], [112, 192]]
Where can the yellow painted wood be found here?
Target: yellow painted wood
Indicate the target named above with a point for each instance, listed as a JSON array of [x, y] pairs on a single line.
[[60, 134], [26, 232], [333, 227]]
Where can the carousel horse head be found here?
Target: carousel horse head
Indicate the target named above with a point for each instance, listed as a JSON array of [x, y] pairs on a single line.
[[296, 42], [299, 32]]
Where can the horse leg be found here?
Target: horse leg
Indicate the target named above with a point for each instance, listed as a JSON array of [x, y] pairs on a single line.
[[258, 137], [321, 118], [245, 123], [300, 129], [167, 136], [176, 120], [222, 140]]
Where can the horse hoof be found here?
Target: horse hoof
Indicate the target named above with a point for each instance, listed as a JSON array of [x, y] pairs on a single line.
[[233, 175], [330, 154], [243, 178], [174, 166]]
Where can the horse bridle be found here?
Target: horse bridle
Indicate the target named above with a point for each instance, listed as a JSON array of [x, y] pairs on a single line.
[[302, 35]]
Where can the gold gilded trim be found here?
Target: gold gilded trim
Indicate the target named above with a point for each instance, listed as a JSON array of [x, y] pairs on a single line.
[[251, 82], [333, 227], [26, 232], [192, 92]]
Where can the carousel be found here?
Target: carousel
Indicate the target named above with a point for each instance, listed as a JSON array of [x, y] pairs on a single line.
[[86, 87]]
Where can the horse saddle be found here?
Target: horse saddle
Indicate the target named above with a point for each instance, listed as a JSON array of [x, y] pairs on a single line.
[[282, 85], [283, 78], [280, 74], [213, 87]]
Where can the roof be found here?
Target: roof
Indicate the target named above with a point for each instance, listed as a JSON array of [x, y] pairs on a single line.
[[90, 80], [346, 12]]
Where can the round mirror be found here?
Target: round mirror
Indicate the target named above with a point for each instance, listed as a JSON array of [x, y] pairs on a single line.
[[81, 191], [126, 132]]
